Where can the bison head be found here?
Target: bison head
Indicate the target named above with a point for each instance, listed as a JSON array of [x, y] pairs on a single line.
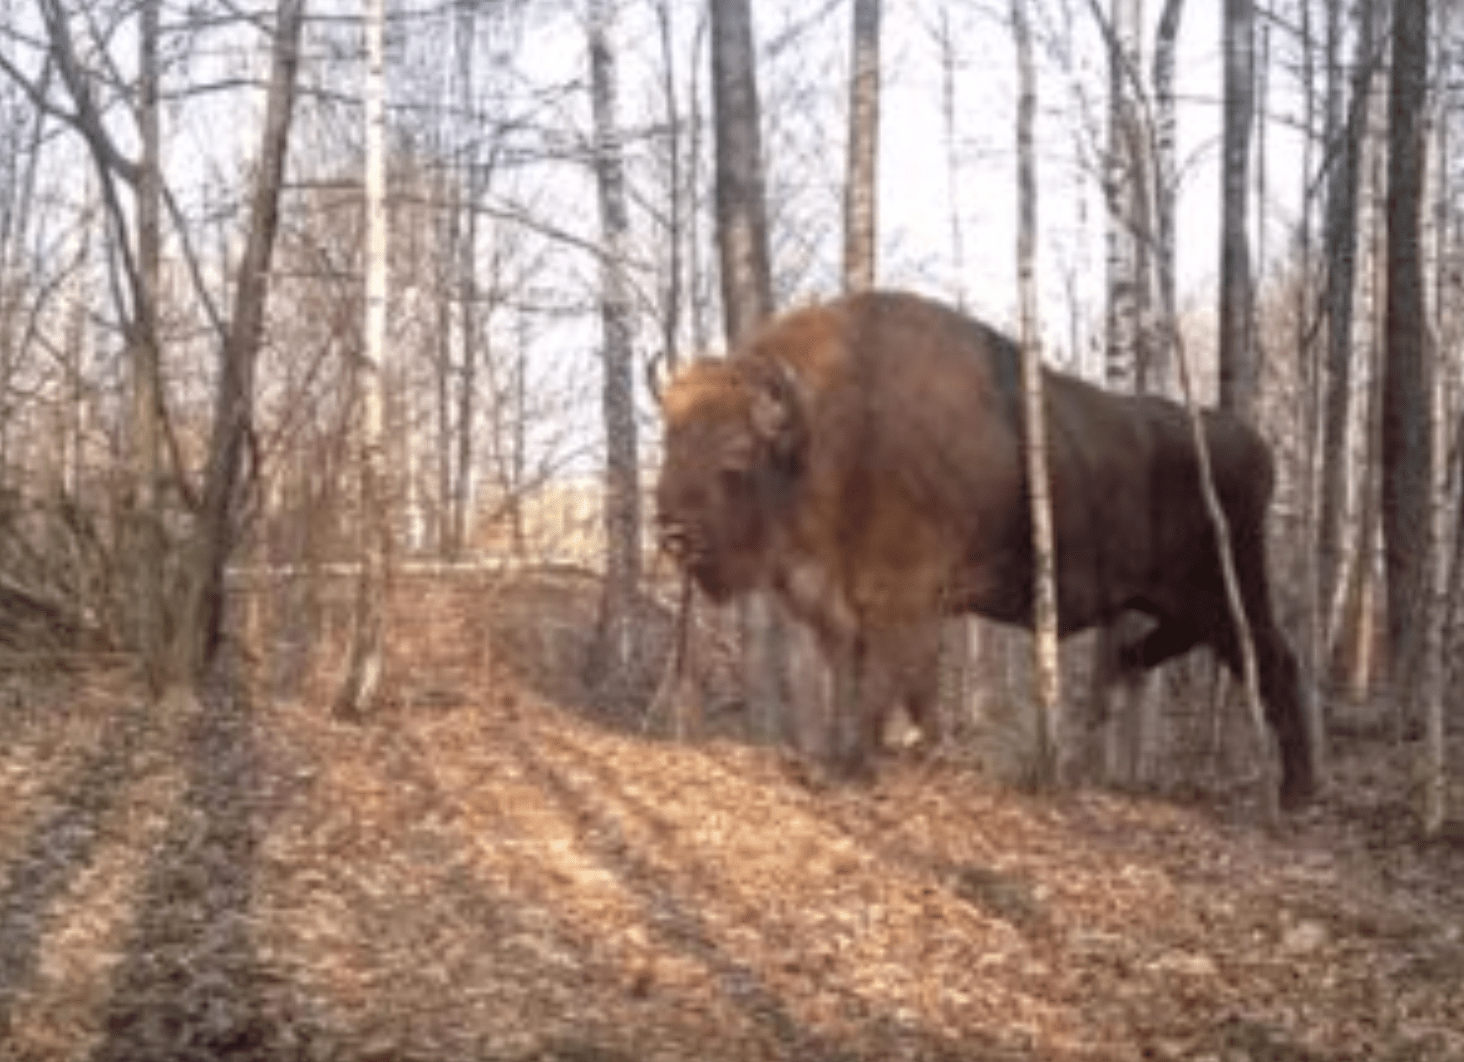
[[733, 451]]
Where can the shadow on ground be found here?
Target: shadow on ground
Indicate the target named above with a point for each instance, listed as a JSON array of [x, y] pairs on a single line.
[[190, 985]]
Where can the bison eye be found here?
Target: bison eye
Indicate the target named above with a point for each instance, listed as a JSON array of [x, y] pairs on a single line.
[[675, 540]]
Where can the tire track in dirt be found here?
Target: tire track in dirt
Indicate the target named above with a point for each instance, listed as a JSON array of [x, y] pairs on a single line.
[[190, 984], [60, 850]]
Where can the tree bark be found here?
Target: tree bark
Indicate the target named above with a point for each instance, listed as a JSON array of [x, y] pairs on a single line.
[[1239, 372], [672, 294], [747, 300], [617, 651], [742, 230], [1407, 415], [1340, 254], [213, 535], [144, 345], [470, 322], [1160, 376], [1045, 621], [861, 186], [947, 43], [1124, 195], [359, 692]]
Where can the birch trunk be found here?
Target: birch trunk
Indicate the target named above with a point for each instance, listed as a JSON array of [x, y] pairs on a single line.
[[1046, 671], [617, 651], [366, 663]]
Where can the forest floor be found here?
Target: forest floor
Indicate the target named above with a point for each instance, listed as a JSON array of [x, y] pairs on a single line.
[[479, 872]]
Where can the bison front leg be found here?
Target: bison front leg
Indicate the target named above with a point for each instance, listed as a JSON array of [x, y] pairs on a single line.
[[855, 722], [874, 673], [919, 678]]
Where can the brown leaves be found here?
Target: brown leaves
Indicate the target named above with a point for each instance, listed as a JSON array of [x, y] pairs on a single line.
[[508, 881]]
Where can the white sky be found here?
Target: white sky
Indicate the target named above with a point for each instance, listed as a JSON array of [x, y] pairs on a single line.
[[804, 99], [914, 198]]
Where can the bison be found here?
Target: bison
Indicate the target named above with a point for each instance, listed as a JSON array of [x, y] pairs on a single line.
[[863, 459]]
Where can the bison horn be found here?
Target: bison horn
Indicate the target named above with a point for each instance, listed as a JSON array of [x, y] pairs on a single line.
[[775, 404], [656, 371], [769, 416], [776, 413]]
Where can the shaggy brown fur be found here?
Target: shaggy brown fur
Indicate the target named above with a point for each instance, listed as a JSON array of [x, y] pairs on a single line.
[[863, 459]]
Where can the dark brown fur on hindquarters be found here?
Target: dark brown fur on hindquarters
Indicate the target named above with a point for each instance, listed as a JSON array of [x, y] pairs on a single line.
[[863, 459]]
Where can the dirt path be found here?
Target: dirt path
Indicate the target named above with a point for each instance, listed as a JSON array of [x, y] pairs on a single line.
[[502, 880]]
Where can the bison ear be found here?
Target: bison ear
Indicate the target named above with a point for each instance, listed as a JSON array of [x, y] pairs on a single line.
[[777, 415]]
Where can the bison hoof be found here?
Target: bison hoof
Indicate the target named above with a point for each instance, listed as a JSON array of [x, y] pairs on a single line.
[[853, 768], [1297, 793]]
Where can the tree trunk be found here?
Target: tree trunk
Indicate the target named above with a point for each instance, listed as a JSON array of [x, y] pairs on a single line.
[[961, 638], [1166, 190], [617, 652], [1434, 767], [447, 224], [1046, 672], [747, 300], [1123, 192], [1357, 640], [471, 349], [1216, 514], [1340, 255], [742, 228], [143, 344], [676, 229], [1407, 451], [1239, 372], [861, 187], [199, 632], [366, 663], [952, 157], [469, 329]]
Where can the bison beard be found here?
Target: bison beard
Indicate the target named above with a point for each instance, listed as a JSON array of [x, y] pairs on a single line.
[[863, 460]]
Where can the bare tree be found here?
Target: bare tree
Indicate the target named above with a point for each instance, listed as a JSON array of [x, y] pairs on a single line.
[[742, 228], [359, 691], [742, 245], [946, 41], [1130, 195], [1166, 190], [1239, 372], [1045, 620], [673, 292], [144, 344], [1340, 237], [217, 524], [1407, 416], [617, 651], [861, 187], [1126, 159], [174, 595]]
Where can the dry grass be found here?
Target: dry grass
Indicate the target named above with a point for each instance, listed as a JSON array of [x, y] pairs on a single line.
[[480, 873]]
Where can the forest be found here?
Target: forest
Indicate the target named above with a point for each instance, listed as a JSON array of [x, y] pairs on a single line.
[[351, 708]]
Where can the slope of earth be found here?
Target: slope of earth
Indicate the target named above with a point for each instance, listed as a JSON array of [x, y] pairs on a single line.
[[488, 876]]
